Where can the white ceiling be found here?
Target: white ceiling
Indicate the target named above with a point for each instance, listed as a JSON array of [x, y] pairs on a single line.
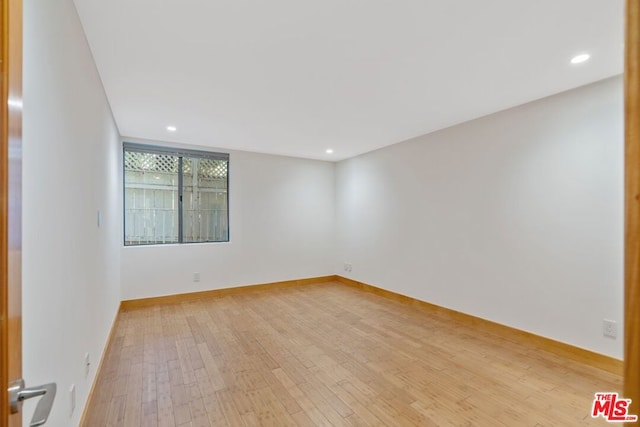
[[296, 77]]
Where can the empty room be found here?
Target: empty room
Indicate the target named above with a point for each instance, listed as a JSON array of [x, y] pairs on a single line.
[[289, 213]]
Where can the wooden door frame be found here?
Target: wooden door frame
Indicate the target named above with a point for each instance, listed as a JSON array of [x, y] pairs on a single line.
[[10, 202], [4, 163], [632, 207]]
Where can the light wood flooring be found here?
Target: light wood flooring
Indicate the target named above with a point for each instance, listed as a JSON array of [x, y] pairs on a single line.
[[329, 354]]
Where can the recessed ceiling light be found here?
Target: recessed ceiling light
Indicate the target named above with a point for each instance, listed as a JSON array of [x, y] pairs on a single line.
[[172, 128], [329, 151], [579, 59]]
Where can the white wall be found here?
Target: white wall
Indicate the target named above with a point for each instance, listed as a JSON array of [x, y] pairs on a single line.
[[515, 217], [281, 228], [71, 163]]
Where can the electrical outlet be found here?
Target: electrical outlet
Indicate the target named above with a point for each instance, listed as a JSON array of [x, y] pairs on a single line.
[[72, 399], [87, 364], [609, 328], [196, 277]]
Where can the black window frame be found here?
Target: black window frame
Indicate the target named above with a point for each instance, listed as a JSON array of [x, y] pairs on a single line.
[[180, 153]]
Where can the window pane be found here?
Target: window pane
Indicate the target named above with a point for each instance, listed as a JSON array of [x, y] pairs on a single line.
[[204, 200], [150, 198]]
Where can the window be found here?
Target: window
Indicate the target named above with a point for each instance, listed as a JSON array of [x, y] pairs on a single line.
[[174, 196]]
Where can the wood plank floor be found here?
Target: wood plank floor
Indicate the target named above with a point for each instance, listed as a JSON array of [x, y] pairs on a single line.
[[328, 354]]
